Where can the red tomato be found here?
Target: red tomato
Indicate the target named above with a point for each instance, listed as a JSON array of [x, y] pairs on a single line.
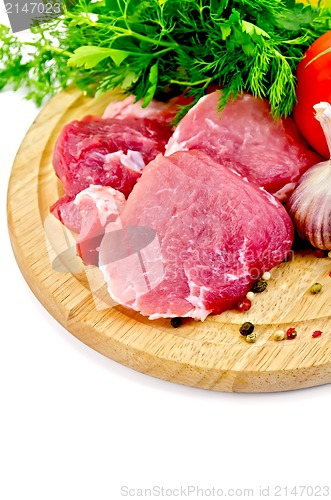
[[314, 86]]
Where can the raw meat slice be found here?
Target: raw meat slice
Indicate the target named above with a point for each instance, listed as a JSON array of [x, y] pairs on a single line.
[[163, 112], [66, 211], [97, 206], [215, 235], [87, 151], [245, 138], [108, 152], [87, 214]]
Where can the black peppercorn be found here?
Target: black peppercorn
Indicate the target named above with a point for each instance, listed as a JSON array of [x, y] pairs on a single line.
[[259, 286], [176, 322], [246, 328]]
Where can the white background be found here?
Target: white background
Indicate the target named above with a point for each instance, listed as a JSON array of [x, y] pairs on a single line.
[[77, 426]]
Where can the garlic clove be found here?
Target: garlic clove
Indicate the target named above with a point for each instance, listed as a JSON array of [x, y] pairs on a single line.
[[323, 115], [310, 204]]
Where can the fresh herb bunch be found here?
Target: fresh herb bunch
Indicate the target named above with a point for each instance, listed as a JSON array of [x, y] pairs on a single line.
[[151, 47]]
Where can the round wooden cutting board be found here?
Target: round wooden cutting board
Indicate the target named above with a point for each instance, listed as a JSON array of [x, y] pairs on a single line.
[[210, 354]]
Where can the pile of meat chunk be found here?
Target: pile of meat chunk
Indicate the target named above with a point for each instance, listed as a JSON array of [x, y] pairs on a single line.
[[180, 221]]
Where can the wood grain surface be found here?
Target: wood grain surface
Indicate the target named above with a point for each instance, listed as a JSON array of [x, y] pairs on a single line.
[[210, 354]]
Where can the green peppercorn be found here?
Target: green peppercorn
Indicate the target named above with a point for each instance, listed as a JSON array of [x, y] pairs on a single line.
[[246, 328], [259, 286], [176, 322], [316, 288], [251, 338]]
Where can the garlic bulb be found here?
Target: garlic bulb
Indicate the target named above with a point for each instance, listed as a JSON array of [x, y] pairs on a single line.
[[310, 204]]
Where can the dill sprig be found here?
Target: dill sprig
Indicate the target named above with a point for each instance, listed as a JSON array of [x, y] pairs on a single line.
[[152, 47]]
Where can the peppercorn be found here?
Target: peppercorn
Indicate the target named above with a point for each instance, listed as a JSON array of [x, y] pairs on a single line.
[[176, 322], [316, 288], [320, 254], [317, 333], [251, 338], [259, 286], [246, 328], [266, 276], [291, 333], [250, 296], [244, 305], [279, 335]]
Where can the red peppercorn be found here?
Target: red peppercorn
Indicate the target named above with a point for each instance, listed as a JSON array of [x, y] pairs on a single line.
[[317, 333], [330, 275], [244, 305], [320, 254], [291, 333]]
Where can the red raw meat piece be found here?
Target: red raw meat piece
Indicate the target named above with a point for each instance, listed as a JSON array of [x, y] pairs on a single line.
[[67, 212], [87, 214], [213, 231], [108, 152], [97, 206], [245, 138]]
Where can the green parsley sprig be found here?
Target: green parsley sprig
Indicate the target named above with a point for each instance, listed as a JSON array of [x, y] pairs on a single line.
[[152, 47]]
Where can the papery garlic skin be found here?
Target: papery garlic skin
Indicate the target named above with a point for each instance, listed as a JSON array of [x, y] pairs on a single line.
[[310, 204], [323, 115]]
